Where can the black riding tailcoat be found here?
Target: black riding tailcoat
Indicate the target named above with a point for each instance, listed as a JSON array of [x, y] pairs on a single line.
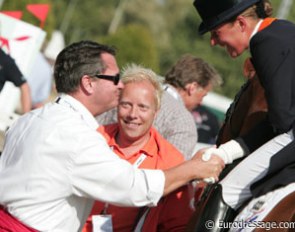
[[273, 56]]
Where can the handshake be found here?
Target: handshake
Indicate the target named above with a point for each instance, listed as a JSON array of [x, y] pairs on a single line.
[[228, 152]]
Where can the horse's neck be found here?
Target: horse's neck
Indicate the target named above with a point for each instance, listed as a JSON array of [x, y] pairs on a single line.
[[247, 110], [225, 134]]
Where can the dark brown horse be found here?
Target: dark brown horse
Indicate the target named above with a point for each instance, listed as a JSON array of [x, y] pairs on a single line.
[[284, 211]]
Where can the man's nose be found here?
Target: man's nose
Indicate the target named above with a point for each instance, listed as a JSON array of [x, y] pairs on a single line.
[[120, 85], [133, 112]]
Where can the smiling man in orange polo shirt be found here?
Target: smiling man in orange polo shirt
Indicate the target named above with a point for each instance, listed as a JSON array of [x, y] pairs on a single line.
[[134, 139]]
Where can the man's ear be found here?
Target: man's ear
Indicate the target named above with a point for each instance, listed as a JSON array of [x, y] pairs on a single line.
[[242, 23], [87, 84], [191, 88]]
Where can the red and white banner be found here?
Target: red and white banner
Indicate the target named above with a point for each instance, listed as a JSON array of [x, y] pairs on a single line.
[[20, 40]]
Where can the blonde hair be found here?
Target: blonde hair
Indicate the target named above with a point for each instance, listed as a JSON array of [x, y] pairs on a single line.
[[252, 11], [136, 73]]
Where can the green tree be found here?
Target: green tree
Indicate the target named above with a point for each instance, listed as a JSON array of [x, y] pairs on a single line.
[[135, 44]]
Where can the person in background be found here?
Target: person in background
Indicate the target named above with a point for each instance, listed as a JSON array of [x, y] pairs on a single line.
[[10, 72], [40, 81], [134, 139], [55, 164], [239, 26], [188, 81]]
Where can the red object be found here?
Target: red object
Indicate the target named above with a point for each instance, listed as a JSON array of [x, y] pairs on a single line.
[[14, 14], [4, 43], [22, 38], [40, 11], [8, 223]]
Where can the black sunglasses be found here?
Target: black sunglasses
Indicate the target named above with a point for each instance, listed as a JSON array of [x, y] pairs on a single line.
[[114, 79]]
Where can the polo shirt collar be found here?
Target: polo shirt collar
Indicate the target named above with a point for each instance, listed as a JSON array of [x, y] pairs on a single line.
[[150, 148]]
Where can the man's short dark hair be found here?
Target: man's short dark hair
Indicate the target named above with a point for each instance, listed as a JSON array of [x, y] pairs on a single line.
[[75, 61]]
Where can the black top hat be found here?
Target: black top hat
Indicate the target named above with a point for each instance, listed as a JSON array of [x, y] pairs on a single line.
[[216, 12]]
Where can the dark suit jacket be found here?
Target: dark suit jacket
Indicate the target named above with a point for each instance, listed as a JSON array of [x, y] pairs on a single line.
[[273, 56]]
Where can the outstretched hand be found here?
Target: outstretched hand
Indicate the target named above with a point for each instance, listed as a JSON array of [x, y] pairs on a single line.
[[209, 166], [193, 169]]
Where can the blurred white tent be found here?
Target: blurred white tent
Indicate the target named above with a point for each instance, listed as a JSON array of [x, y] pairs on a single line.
[[55, 45], [21, 41], [217, 102]]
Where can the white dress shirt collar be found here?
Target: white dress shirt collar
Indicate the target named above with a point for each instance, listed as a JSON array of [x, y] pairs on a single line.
[[77, 106], [256, 28], [171, 90]]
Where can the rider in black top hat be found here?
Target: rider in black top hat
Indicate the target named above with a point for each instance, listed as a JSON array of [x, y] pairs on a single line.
[[238, 25]]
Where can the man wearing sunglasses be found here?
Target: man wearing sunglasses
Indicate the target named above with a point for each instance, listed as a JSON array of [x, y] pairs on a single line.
[[54, 162], [115, 78]]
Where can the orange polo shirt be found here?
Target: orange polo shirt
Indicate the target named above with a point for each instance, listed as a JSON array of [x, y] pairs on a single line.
[[160, 154]]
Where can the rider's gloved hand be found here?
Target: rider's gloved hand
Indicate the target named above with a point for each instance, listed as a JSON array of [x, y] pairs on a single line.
[[228, 151]]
